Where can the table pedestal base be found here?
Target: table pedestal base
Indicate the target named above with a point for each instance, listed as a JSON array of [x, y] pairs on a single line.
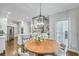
[[51, 54]]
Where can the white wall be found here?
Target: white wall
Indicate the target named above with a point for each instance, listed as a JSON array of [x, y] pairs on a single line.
[[73, 17], [52, 27], [73, 25], [26, 27]]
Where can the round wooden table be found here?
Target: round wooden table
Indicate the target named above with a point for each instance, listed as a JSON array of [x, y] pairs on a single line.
[[46, 47]]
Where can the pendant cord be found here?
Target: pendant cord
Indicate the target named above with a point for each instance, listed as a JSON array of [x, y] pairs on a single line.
[[40, 9]]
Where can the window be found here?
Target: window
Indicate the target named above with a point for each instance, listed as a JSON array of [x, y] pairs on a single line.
[[62, 31]]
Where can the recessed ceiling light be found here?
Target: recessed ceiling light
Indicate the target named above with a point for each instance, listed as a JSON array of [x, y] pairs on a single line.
[[27, 17], [9, 13]]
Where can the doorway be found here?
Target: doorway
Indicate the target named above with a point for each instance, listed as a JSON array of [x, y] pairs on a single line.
[[10, 33]]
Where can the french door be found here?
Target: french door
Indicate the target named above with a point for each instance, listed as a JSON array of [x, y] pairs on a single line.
[[62, 31]]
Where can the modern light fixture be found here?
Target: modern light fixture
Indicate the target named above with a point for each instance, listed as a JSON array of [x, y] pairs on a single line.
[[40, 25], [40, 18]]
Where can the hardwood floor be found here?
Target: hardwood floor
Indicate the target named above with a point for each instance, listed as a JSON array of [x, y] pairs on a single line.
[[11, 49]]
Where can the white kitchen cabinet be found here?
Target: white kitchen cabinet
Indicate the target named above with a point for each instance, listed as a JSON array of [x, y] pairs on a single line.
[[2, 43]]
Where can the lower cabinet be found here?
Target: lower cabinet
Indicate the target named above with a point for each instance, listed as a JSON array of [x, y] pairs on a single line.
[[2, 44]]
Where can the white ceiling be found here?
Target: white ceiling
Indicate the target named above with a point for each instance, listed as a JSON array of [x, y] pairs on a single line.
[[29, 10]]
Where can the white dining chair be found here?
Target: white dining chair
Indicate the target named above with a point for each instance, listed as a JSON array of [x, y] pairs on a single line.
[[62, 50], [20, 53]]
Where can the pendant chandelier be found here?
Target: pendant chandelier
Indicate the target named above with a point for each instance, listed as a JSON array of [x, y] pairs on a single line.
[[40, 19], [39, 23]]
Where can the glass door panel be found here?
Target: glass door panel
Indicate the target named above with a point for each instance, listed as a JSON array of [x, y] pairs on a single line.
[[62, 31]]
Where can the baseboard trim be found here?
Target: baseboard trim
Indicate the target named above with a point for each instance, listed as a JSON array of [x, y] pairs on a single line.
[[74, 51]]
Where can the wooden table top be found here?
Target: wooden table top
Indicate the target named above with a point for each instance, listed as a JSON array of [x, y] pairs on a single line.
[[48, 46]]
